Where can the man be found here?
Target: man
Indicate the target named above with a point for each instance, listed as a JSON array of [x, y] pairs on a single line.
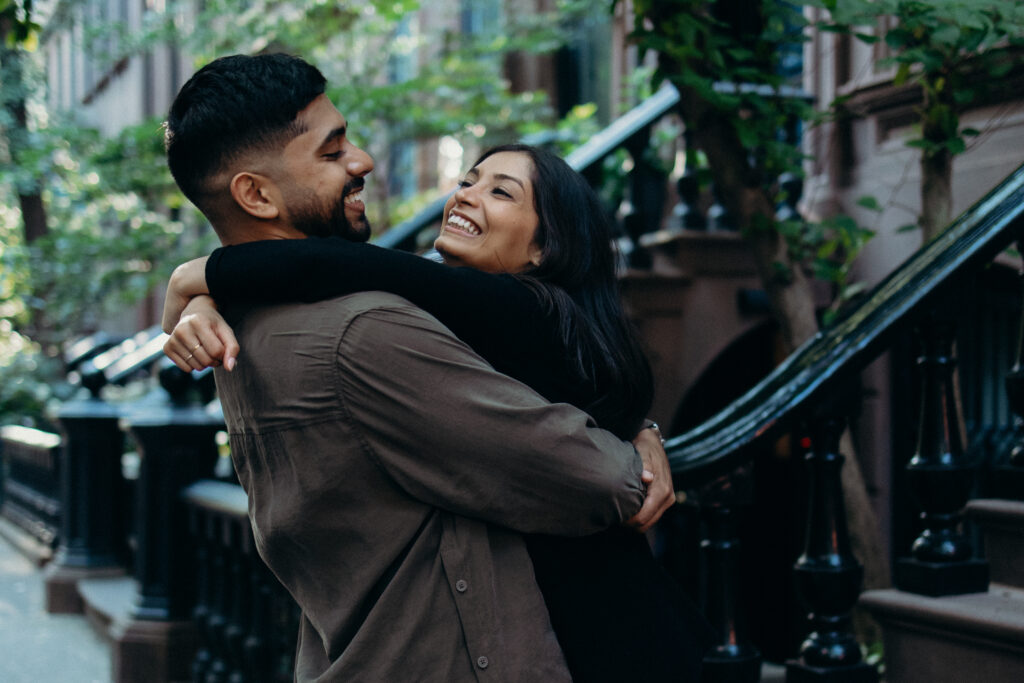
[[389, 469]]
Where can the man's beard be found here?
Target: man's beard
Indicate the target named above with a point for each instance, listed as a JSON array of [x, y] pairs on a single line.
[[317, 218]]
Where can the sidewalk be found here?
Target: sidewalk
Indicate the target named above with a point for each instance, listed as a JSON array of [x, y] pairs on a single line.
[[36, 647]]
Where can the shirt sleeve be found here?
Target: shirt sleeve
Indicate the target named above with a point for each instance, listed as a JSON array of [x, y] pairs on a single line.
[[456, 434]]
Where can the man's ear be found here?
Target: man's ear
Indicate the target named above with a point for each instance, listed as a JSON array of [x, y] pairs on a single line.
[[254, 193]]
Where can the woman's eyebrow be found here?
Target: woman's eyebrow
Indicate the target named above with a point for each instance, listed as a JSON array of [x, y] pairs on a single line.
[[505, 176]]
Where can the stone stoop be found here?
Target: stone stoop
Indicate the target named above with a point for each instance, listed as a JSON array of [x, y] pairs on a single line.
[[969, 638], [972, 638], [1002, 526], [30, 547], [141, 650], [107, 601]]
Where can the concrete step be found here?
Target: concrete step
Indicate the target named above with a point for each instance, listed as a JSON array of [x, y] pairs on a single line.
[[29, 546], [140, 649], [1002, 526], [107, 601], [952, 639]]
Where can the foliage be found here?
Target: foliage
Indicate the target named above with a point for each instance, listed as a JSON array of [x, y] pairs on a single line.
[[734, 58], [17, 25], [738, 69], [113, 236], [398, 77], [954, 50], [30, 383]]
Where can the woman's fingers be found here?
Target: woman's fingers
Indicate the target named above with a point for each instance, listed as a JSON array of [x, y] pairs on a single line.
[[228, 343], [202, 338], [194, 344], [179, 352]]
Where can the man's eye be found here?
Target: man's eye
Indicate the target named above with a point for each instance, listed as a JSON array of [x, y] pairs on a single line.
[[332, 155]]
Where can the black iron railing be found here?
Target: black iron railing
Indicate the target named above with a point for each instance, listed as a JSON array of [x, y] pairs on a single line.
[[847, 346]]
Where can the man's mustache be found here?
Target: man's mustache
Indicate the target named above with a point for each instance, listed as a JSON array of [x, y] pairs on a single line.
[[353, 185]]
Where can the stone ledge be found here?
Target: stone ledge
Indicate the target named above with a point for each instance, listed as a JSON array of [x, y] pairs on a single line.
[[974, 637], [1002, 525]]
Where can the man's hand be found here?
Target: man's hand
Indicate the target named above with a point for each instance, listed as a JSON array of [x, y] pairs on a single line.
[[658, 477], [202, 338]]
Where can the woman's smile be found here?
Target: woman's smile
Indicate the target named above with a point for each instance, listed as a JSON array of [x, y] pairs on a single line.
[[461, 225]]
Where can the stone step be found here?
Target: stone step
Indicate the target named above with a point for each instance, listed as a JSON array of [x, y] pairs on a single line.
[[952, 639], [1002, 526], [29, 546], [141, 650], [107, 601]]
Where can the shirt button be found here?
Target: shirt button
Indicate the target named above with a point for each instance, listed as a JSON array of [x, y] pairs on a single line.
[[461, 586], [482, 662]]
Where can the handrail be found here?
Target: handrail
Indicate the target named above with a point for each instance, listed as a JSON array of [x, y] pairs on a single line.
[[837, 353], [581, 159]]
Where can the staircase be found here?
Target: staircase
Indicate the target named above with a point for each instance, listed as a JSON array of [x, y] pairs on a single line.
[[968, 637]]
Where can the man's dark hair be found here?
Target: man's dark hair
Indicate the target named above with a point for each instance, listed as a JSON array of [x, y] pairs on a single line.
[[233, 105]]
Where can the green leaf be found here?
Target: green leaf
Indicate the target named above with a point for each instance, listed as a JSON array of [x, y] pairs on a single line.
[[869, 202], [956, 146], [948, 34], [909, 227], [902, 74]]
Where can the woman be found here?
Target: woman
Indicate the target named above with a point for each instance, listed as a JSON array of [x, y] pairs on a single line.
[[539, 301]]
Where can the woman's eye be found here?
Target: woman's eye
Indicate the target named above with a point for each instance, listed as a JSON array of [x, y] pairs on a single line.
[[501, 192], [464, 183]]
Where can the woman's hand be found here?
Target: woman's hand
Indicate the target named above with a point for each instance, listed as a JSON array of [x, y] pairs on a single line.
[[188, 280], [658, 477], [202, 338]]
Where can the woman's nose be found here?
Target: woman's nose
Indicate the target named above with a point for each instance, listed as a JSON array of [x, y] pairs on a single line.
[[465, 195]]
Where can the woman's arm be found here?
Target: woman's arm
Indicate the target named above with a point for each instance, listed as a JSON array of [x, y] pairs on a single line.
[[187, 281], [496, 315]]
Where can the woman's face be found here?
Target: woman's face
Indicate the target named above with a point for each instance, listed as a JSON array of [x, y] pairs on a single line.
[[490, 222]]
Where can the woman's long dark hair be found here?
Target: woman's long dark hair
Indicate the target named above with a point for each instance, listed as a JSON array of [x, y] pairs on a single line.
[[576, 281]]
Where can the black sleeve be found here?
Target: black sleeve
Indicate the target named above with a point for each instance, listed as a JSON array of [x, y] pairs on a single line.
[[497, 315]]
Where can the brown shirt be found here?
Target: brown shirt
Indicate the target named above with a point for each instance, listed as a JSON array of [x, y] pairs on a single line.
[[389, 469]]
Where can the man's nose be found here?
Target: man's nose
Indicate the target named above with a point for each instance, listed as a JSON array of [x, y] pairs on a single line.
[[360, 164]]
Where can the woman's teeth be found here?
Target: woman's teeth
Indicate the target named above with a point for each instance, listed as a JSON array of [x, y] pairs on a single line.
[[463, 224]]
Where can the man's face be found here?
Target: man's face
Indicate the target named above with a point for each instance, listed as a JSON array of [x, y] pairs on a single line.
[[323, 176]]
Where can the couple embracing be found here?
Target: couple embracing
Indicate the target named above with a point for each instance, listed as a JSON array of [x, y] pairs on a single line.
[[448, 466]]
